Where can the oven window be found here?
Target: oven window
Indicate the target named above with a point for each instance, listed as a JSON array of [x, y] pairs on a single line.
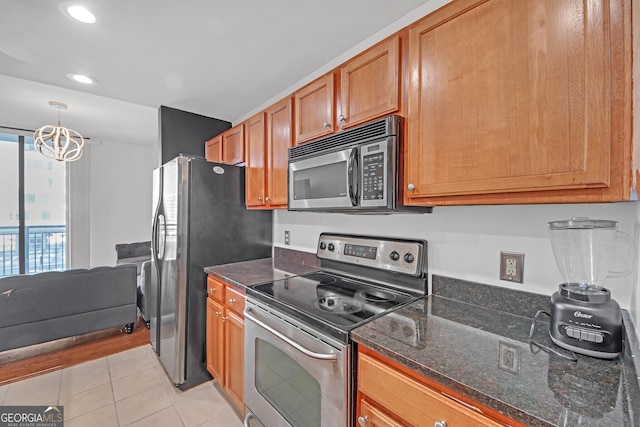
[[290, 389], [320, 182]]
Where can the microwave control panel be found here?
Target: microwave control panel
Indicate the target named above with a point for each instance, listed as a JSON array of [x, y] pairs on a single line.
[[374, 158]]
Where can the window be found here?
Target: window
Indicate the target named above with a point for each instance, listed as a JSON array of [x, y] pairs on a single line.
[[32, 229]]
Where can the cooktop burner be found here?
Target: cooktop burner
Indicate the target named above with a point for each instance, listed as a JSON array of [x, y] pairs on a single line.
[[338, 304], [375, 295], [342, 301]]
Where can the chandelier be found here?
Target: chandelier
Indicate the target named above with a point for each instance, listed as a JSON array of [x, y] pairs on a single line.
[[56, 142]]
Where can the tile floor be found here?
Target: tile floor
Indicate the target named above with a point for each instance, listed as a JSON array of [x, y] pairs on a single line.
[[124, 389]]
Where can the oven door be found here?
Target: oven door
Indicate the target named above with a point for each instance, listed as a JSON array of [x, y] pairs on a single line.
[[325, 181], [292, 376]]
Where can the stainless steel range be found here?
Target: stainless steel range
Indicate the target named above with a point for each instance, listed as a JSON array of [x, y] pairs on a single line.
[[299, 365]]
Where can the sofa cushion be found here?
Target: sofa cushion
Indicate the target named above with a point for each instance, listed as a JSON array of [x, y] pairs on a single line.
[[33, 298], [138, 261]]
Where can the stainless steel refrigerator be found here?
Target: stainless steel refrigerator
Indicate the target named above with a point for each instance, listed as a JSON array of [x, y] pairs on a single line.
[[199, 220]]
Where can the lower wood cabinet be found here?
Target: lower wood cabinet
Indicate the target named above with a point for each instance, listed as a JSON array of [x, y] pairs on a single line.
[[225, 338], [389, 395]]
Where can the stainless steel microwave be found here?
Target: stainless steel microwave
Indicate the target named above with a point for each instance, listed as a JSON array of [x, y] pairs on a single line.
[[354, 170]]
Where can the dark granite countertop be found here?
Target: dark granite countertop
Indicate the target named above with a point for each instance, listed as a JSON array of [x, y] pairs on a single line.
[[284, 264], [484, 353]]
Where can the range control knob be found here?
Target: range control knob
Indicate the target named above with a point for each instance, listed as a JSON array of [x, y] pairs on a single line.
[[408, 257], [323, 245], [394, 255], [331, 247]]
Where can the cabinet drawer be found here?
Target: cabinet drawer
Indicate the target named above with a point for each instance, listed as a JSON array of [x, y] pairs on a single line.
[[411, 400], [215, 289], [234, 300]]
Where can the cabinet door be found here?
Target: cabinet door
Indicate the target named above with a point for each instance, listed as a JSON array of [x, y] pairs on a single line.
[[256, 161], [234, 357], [213, 149], [279, 140], [233, 145], [215, 289], [523, 96], [370, 416], [235, 299], [215, 340], [370, 84], [411, 400], [314, 109]]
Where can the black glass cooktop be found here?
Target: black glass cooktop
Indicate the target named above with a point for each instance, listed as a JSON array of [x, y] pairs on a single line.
[[340, 301]]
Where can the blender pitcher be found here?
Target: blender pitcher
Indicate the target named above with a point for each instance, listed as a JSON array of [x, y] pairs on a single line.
[[584, 249]]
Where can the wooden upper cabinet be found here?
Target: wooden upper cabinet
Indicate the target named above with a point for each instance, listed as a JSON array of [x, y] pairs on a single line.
[[370, 84], [279, 140], [213, 149], [520, 102], [314, 109], [256, 161], [269, 135], [233, 145]]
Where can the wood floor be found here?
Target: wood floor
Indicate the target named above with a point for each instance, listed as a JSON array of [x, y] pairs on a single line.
[[38, 359]]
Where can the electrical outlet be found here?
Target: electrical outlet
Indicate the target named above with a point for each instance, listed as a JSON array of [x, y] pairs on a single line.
[[511, 267], [287, 237]]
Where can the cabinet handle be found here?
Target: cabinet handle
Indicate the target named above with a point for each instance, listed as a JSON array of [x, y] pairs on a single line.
[[232, 300], [218, 313], [259, 198], [267, 199], [212, 290], [342, 118], [326, 124], [224, 318], [441, 423], [411, 187], [363, 420]]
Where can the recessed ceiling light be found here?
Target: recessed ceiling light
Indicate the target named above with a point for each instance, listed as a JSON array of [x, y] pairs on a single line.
[[73, 10], [81, 78], [82, 14]]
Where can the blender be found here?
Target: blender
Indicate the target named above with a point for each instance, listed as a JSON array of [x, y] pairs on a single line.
[[584, 317]]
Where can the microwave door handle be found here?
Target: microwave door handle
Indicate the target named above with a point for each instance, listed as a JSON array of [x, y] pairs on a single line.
[[352, 171]]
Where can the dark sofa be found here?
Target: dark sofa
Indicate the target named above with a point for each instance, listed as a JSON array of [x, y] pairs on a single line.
[[138, 253], [36, 308]]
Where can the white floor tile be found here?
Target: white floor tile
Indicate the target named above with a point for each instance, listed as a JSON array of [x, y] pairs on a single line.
[[87, 401], [123, 367], [39, 395], [166, 418], [138, 382], [84, 376], [228, 418], [199, 404], [3, 393], [35, 382], [103, 417], [142, 405]]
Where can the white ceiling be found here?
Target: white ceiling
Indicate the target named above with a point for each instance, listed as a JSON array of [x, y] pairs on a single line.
[[217, 58]]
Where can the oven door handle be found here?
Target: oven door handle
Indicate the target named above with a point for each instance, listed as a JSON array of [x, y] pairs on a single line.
[[318, 356]]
